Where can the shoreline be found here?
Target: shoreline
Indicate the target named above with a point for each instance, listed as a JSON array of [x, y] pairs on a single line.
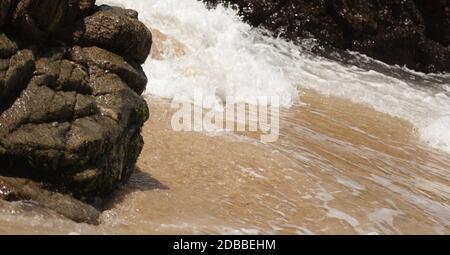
[[303, 184], [360, 147]]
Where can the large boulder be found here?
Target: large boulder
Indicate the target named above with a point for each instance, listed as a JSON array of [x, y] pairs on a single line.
[[415, 33], [71, 109]]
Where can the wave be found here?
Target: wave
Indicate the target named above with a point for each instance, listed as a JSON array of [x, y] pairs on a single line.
[[223, 56]]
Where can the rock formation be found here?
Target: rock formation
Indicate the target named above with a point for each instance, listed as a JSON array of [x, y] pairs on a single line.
[[415, 33], [70, 106]]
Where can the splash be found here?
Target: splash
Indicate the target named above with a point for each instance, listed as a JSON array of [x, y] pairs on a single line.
[[224, 57]]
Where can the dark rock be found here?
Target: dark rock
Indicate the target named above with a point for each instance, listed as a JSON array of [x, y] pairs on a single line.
[[16, 189], [129, 72], [39, 18], [117, 30], [415, 33], [7, 46], [70, 108]]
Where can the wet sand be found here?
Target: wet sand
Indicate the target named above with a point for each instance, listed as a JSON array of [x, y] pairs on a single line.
[[338, 168]]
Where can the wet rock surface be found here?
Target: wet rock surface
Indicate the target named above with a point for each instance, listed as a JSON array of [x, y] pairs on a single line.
[[415, 33], [17, 189], [70, 106]]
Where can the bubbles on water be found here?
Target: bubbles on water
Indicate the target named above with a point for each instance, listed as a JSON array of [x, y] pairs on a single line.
[[224, 56], [437, 133]]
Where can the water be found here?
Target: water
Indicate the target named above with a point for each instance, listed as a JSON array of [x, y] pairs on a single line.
[[363, 146], [224, 56]]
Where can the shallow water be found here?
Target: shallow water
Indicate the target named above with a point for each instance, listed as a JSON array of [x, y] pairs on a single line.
[[214, 51], [361, 149], [362, 172], [337, 168]]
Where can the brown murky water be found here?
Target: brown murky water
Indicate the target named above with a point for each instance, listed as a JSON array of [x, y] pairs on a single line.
[[338, 168]]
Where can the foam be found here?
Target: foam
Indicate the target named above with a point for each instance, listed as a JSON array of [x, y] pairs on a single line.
[[226, 57]]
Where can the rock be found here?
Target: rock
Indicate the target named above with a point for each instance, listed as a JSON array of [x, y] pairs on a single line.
[[73, 115], [415, 33], [8, 47], [71, 109], [16, 189], [117, 30], [36, 19], [129, 72], [13, 73]]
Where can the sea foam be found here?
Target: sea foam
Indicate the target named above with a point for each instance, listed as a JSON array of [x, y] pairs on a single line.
[[224, 57]]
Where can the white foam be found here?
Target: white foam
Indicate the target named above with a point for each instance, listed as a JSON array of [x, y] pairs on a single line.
[[226, 57], [220, 57]]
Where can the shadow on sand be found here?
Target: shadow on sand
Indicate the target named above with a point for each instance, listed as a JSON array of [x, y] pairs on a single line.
[[139, 181]]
